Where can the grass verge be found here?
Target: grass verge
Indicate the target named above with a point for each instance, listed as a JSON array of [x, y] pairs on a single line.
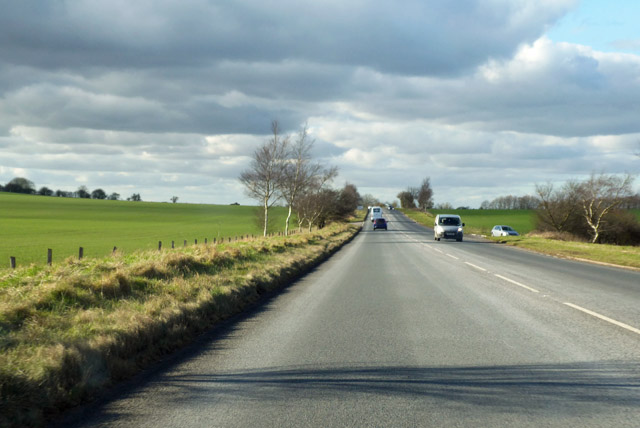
[[626, 256], [70, 330]]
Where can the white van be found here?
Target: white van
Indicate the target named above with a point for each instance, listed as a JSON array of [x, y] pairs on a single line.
[[448, 226], [376, 212]]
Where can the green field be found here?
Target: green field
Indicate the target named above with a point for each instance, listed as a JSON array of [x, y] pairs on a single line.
[[29, 225], [482, 221]]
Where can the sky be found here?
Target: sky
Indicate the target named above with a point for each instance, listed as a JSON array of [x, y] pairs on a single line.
[[167, 98]]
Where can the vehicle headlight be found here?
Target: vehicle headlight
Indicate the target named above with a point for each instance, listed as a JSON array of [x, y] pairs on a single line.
[[459, 229]]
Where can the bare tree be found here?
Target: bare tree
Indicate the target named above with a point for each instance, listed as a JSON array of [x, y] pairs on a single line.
[[265, 173], [425, 195], [317, 200], [174, 199], [298, 173], [558, 208], [599, 195], [406, 199]]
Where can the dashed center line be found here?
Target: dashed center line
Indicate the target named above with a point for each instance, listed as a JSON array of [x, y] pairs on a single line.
[[604, 318], [452, 256], [517, 283], [435, 249], [477, 267]]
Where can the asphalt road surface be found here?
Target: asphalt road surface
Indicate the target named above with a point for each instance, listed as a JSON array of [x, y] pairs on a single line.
[[399, 330]]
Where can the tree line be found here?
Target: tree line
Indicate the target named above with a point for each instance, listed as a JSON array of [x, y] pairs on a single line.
[[422, 194], [282, 170], [26, 186], [595, 209]]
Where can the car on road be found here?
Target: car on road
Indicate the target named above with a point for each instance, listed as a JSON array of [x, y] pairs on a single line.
[[503, 230], [448, 226], [376, 213], [380, 223]]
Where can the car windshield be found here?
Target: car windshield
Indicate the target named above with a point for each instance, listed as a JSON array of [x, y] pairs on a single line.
[[380, 220], [450, 221]]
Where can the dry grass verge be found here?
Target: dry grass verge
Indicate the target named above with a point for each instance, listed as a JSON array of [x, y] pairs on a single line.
[[70, 330]]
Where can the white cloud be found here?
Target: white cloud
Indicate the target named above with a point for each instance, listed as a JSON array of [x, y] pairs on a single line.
[[468, 92]]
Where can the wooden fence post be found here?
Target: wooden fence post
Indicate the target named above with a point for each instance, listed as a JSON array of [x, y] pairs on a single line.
[[114, 249], [173, 244], [12, 262], [49, 256], [80, 253], [185, 242], [214, 240], [159, 245], [196, 241], [205, 241]]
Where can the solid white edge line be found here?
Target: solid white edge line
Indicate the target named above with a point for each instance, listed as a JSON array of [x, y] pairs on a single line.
[[477, 267], [517, 283], [452, 256], [604, 318]]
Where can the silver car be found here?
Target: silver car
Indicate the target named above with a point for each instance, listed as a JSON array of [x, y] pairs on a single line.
[[502, 230]]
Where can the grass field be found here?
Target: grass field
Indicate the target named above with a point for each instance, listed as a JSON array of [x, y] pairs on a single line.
[[69, 330], [481, 221], [29, 225]]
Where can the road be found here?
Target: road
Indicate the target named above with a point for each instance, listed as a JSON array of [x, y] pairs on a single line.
[[399, 330]]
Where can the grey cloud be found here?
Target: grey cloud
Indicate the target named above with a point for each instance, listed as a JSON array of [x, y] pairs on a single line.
[[436, 37]]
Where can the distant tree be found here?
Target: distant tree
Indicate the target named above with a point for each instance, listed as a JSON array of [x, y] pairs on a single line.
[[444, 206], [368, 200], [174, 199], [20, 185], [266, 172], [45, 191], [63, 194], [98, 194], [425, 195], [406, 199], [135, 197], [83, 192], [347, 201], [1, 188], [114, 196]]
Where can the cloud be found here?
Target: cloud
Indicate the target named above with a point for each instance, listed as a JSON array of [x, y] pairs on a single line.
[[175, 95]]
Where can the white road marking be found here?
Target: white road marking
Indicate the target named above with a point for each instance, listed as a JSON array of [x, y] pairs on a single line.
[[517, 283], [477, 267], [604, 318], [452, 256], [435, 249]]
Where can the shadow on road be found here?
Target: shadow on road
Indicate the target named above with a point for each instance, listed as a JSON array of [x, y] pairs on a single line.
[[577, 388]]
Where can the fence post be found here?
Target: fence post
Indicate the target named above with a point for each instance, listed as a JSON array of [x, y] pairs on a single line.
[[49, 256], [205, 241], [214, 240], [159, 245], [80, 253], [185, 242], [114, 249], [196, 241], [12, 262]]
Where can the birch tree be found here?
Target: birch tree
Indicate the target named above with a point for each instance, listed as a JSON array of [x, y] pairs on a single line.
[[265, 174], [298, 173], [599, 195]]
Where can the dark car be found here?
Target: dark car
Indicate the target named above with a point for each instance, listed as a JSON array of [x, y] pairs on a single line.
[[380, 223]]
